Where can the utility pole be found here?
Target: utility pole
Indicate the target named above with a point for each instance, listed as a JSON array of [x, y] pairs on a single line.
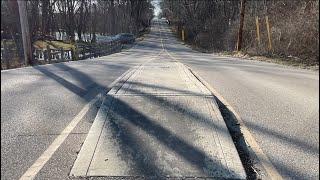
[[242, 11], [182, 34], [258, 30], [94, 24], [26, 40], [269, 33]]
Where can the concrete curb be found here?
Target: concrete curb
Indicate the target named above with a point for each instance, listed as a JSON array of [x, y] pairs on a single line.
[[92, 138], [87, 164], [89, 145]]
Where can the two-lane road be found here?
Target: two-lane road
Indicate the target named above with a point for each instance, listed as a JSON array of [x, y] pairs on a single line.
[[278, 104]]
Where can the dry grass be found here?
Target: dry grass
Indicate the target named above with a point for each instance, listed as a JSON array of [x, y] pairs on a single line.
[[294, 29], [287, 61], [53, 45]]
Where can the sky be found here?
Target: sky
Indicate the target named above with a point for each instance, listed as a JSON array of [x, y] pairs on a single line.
[[156, 4]]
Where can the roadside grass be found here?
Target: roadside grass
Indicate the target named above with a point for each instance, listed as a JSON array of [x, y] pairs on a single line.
[[142, 34], [290, 61], [273, 58], [42, 44], [16, 61], [282, 60], [8, 42]]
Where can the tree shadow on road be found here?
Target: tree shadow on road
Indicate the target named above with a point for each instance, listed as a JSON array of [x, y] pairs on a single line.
[[162, 134], [87, 89], [138, 148]]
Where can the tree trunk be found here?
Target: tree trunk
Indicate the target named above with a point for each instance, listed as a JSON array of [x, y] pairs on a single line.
[[240, 32]]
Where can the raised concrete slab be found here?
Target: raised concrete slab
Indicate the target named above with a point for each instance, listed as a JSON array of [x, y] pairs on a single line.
[[159, 121]]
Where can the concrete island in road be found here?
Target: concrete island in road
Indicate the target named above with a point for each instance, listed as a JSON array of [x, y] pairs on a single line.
[[157, 116], [159, 121]]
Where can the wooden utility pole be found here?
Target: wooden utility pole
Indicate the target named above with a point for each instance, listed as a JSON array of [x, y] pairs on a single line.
[[182, 35], [269, 33], [258, 30], [94, 24], [26, 40], [242, 11]]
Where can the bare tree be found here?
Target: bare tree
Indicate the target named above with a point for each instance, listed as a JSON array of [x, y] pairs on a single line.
[[214, 25]]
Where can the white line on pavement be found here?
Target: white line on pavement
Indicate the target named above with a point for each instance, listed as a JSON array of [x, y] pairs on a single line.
[[46, 155], [44, 158], [250, 140], [252, 143]]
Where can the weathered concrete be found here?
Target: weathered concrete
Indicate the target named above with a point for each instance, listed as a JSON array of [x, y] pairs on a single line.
[[159, 121]]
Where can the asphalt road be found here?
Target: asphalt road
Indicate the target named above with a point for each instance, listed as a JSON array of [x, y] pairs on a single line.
[[278, 104], [37, 103]]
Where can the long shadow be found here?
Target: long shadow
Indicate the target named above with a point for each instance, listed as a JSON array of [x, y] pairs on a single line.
[[73, 88], [153, 86], [292, 173], [162, 134], [86, 81], [178, 107], [130, 146], [294, 142], [187, 151]]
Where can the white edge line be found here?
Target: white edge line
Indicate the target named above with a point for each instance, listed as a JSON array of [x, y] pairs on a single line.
[[35, 168], [47, 154], [82, 164], [249, 139]]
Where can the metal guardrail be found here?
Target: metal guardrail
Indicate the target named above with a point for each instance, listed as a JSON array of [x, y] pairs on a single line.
[[81, 51], [49, 55]]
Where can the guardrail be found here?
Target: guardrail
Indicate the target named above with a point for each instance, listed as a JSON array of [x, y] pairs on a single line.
[[10, 56], [81, 51], [50, 55]]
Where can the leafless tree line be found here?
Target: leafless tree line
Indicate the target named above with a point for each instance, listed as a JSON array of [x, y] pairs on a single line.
[[107, 17], [214, 24]]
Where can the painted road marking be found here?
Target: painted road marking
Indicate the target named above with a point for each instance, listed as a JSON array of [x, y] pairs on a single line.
[[264, 160], [103, 156], [261, 156], [46, 155]]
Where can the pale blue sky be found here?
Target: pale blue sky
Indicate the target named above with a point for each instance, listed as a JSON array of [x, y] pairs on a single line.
[[156, 4]]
